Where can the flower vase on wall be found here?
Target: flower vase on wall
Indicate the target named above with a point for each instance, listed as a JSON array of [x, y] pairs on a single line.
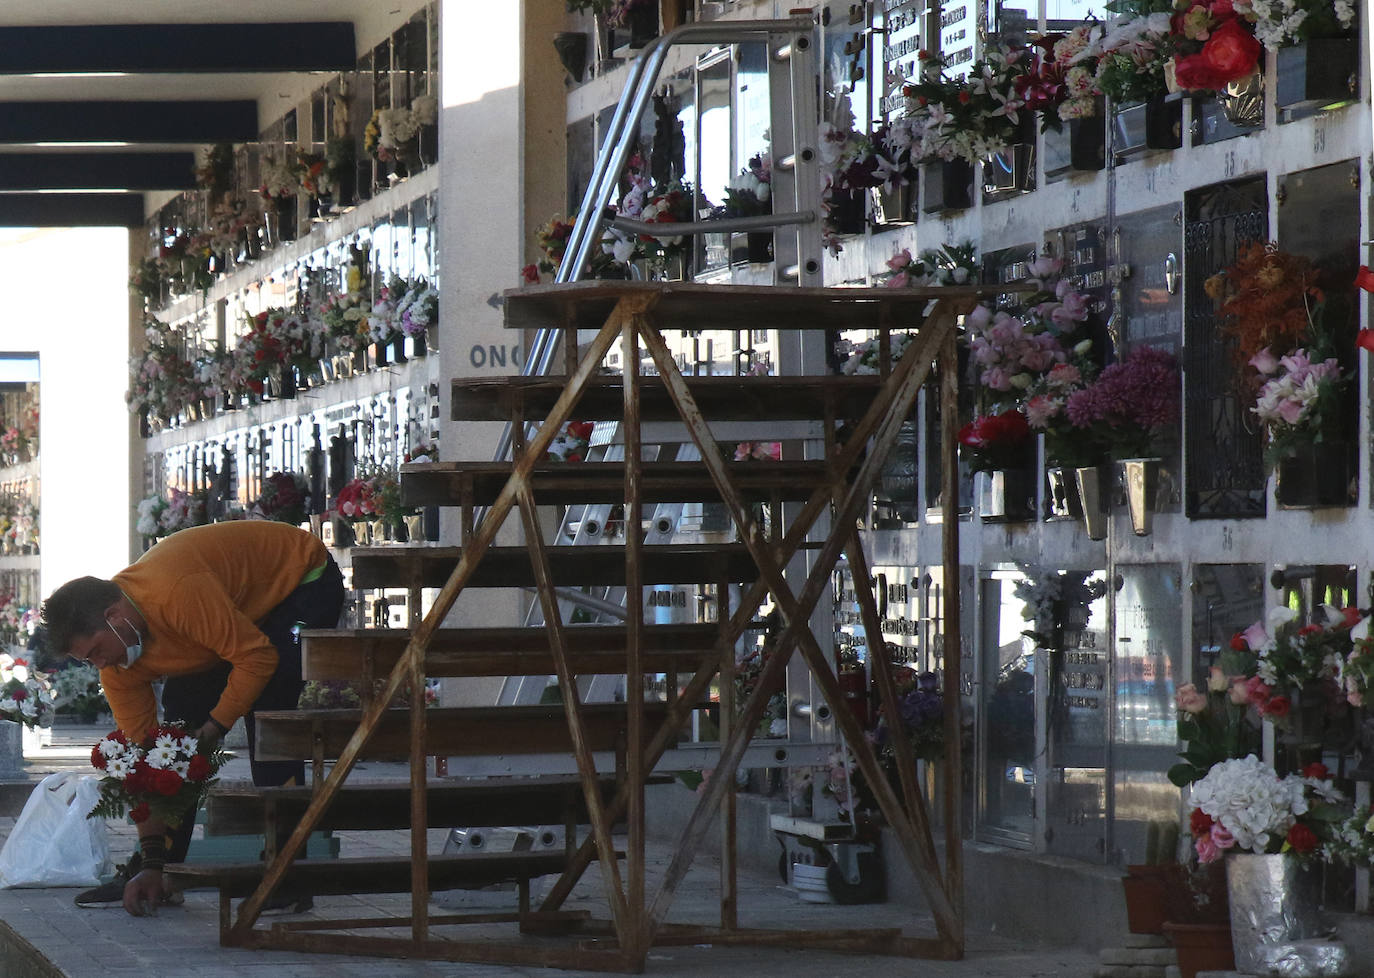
[[1005, 495], [1094, 484], [1142, 488], [642, 22], [398, 348], [419, 343], [1062, 498], [1321, 69], [847, 211], [1314, 475]]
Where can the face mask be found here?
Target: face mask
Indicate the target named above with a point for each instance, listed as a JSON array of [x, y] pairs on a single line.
[[132, 651]]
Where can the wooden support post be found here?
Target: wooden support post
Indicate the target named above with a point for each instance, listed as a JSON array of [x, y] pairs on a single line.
[[953, 639]]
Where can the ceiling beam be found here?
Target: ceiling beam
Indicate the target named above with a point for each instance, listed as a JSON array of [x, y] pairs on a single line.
[[197, 48], [129, 122], [71, 210], [97, 171]]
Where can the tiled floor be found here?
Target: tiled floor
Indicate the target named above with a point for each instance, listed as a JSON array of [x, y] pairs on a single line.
[[42, 933]]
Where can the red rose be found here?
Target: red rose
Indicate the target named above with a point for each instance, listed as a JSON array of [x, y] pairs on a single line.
[[1301, 838], [199, 768], [1195, 74], [1310, 630], [1232, 51], [1238, 643], [97, 758], [1316, 770], [1278, 707], [1199, 823], [530, 274], [140, 812], [964, 97], [581, 429], [167, 783]]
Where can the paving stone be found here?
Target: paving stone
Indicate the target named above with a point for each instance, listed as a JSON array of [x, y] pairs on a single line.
[[1146, 940]]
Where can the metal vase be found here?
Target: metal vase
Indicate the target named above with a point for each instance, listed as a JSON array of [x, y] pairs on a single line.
[[1142, 486], [1275, 923], [1064, 501], [1005, 495], [1092, 495]]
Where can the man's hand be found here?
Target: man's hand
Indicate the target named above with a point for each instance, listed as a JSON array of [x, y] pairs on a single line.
[[144, 892], [210, 731]]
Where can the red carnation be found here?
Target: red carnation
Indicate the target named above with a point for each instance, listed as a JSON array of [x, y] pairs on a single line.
[[97, 758], [530, 274], [1238, 643], [140, 812], [1199, 823], [167, 782], [1277, 706], [20, 694], [1309, 630], [1301, 838], [1316, 770], [199, 768]]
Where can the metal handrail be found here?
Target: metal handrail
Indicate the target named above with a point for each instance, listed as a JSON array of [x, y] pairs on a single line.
[[615, 152]]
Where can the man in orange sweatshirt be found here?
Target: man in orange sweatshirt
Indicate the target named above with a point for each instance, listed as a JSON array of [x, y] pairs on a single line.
[[215, 610]]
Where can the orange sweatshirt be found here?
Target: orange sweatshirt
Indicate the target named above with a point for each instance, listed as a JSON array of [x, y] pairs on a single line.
[[201, 591]]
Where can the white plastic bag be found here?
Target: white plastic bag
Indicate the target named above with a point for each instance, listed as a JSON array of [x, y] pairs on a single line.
[[53, 843]]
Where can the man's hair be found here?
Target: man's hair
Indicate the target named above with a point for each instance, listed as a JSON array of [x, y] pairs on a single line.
[[77, 608]]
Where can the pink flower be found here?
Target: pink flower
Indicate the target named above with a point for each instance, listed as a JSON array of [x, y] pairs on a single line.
[[1240, 694], [1255, 637], [1258, 691], [1207, 850], [1189, 700], [900, 260], [1265, 362], [1217, 680], [1222, 838]]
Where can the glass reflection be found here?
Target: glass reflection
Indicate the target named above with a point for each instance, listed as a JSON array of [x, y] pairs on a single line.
[[1008, 708]]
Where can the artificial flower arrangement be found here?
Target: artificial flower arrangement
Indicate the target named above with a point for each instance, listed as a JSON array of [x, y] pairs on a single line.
[[280, 179], [26, 695], [1054, 600], [313, 174], [1282, 22], [1214, 44], [1273, 309], [571, 443], [403, 308], [1243, 804], [372, 497], [162, 381], [163, 775], [285, 498], [160, 516], [749, 193], [185, 256], [997, 441], [1131, 405], [1132, 54], [971, 117], [865, 357], [1222, 721], [950, 264], [278, 338], [76, 689], [761, 451], [921, 711], [849, 166], [1060, 83]]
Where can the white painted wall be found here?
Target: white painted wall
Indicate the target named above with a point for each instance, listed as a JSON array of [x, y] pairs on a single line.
[[68, 299]]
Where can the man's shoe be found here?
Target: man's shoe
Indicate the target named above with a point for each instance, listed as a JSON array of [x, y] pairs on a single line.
[[111, 894]]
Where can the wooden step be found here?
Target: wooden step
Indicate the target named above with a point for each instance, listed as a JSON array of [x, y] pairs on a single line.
[[293, 735], [601, 564], [555, 799], [692, 306], [478, 483], [321, 877], [754, 399], [350, 653]]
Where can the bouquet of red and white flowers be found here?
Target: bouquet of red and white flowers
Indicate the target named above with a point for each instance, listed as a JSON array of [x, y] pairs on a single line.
[[160, 776]]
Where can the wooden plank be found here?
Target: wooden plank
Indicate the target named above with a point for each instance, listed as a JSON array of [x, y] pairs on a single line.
[[691, 306], [373, 875], [289, 735], [591, 649], [543, 800], [603, 564], [745, 398], [447, 483]]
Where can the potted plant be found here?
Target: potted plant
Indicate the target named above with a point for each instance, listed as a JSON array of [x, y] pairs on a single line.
[[1129, 408]]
